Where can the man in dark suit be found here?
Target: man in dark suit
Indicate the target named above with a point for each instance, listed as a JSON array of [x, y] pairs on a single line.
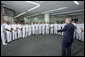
[[67, 37]]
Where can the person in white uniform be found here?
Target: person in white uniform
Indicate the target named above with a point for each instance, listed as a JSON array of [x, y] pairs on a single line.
[[75, 29], [4, 23], [19, 30], [14, 30], [29, 29], [23, 29], [47, 28], [51, 29], [8, 32], [3, 39], [33, 28], [78, 31], [55, 28], [82, 33], [39, 28], [26, 25], [43, 28], [36, 28]]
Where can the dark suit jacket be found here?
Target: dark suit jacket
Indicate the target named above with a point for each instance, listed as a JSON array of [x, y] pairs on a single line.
[[68, 33]]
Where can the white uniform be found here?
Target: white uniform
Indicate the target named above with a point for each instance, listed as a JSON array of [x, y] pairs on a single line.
[[74, 31], [59, 27], [14, 31], [33, 29], [78, 32], [43, 28], [26, 30], [47, 28], [36, 28], [29, 30], [55, 28], [4, 30], [19, 30], [51, 29], [23, 29], [63, 25], [39, 28], [8, 32], [82, 33], [2, 35]]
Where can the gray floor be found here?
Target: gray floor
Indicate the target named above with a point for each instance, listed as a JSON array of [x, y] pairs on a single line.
[[40, 45]]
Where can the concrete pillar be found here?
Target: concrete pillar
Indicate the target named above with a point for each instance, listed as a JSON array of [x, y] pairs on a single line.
[[46, 17]]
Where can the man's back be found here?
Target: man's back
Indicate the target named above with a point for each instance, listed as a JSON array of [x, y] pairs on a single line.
[[68, 32]]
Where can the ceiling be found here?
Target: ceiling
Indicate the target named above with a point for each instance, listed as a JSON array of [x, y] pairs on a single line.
[[22, 6]]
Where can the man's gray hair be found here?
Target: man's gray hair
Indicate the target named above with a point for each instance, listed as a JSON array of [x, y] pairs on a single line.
[[69, 19]]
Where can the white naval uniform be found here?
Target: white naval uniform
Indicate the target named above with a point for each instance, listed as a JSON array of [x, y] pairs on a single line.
[[82, 33], [23, 30], [74, 30], [33, 28], [51, 29], [43, 28], [19, 31], [55, 28], [47, 28], [29, 30], [26, 30], [78, 32], [39, 28], [36, 28], [8, 33], [3, 35], [4, 30], [14, 31]]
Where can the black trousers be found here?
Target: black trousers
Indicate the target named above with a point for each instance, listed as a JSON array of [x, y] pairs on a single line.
[[66, 49]]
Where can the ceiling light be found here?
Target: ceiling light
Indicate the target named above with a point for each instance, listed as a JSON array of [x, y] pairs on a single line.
[[55, 9], [76, 2]]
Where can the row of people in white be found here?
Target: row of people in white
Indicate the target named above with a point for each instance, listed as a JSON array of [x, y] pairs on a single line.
[[26, 30], [79, 31]]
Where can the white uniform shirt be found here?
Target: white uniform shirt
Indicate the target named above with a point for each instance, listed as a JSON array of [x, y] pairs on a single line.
[[23, 27], [26, 27], [47, 25], [8, 27], [78, 26], [19, 26], [14, 26], [1, 28], [55, 26], [39, 26]]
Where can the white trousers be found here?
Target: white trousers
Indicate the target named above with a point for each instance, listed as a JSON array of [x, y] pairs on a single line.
[[43, 31], [82, 35], [19, 33], [47, 30], [23, 33], [3, 38], [55, 31], [26, 32], [51, 30], [14, 35], [78, 34], [29, 32], [33, 31], [74, 34], [8, 36], [39, 30], [36, 31]]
